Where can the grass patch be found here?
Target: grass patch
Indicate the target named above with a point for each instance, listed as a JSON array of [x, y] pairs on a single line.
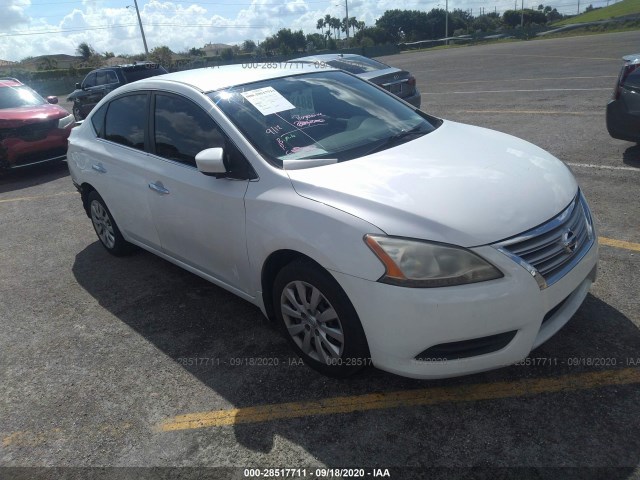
[[614, 27], [620, 9]]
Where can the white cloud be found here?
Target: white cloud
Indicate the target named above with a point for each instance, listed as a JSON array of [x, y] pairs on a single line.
[[180, 26]]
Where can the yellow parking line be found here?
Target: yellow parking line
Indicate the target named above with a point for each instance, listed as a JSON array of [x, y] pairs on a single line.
[[35, 197], [612, 242], [409, 398]]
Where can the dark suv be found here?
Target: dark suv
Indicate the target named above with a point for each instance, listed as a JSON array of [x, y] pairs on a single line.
[[104, 80]]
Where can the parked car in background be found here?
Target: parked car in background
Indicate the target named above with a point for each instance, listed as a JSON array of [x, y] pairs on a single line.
[[623, 110], [397, 81], [32, 129], [369, 230], [103, 80]]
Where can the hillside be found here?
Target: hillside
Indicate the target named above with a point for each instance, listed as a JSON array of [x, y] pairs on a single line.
[[620, 9]]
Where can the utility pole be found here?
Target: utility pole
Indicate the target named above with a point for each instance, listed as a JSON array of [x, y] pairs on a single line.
[[446, 23], [346, 7], [578, 7], [522, 14], [144, 40]]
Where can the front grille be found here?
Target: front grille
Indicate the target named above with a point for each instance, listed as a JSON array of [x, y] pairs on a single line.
[[31, 132], [555, 247]]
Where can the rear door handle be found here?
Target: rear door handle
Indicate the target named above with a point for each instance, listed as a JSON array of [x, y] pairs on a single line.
[[158, 187], [99, 168]]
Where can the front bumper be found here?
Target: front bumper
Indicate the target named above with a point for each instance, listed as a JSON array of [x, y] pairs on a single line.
[[17, 152], [401, 323]]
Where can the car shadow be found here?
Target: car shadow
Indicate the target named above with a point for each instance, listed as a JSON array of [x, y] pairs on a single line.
[[20, 178], [187, 317], [631, 156]]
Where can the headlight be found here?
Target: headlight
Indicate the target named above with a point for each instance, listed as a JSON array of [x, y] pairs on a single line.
[[412, 263], [66, 121]]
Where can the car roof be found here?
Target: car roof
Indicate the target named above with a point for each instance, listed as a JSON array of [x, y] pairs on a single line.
[[10, 82], [128, 66], [215, 78]]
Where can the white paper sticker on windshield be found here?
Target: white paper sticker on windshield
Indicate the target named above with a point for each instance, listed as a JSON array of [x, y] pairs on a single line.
[[267, 100]]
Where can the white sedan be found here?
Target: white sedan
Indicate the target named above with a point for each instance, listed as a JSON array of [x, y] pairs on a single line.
[[370, 231]]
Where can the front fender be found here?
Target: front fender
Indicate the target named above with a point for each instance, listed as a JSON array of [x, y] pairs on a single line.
[[280, 219]]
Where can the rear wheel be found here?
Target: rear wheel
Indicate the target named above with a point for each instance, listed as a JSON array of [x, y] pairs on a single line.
[[319, 321], [106, 228]]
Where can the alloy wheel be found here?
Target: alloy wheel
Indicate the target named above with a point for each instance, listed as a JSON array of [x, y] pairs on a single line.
[[312, 322], [102, 224]]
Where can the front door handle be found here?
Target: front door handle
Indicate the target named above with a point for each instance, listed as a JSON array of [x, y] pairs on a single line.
[[99, 168], [158, 187]]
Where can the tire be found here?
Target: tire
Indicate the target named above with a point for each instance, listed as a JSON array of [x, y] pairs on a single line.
[[106, 227], [319, 321], [76, 113]]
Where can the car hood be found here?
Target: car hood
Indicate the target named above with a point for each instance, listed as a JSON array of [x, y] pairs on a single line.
[[75, 94], [18, 117], [460, 184]]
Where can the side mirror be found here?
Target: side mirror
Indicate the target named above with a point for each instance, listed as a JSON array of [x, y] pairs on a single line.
[[78, 86], [52, 99], [210, 162]]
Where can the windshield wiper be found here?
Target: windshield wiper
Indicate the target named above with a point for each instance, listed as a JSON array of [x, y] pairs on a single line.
[[397, 139]]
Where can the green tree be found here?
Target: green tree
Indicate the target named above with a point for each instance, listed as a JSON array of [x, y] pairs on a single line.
[[401, 25], [248, 46], [226, 54], [85, 50], [161, 55], [315, 39], [376, 34]]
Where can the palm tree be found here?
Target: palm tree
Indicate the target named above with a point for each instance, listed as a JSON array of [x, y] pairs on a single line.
[[335, 24], [324, 22], [353, 23]]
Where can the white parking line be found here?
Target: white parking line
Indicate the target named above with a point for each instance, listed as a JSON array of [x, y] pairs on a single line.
[[604, 167], [496, 80], [523, 91]]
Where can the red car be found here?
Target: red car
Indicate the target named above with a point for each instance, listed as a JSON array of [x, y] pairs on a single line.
[[32, 129]]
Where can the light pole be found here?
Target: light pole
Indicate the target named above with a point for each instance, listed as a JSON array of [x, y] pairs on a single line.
[[446, 23], [144, 40], [346, 7]]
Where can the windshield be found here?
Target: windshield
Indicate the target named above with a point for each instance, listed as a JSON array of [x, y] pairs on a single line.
[[329, 115], [22, 96]]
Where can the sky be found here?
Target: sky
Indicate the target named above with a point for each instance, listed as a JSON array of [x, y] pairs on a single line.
[[46, 27]]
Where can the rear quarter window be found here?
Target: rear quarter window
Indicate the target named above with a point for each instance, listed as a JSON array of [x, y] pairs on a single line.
[[126, 120], [97, 121]]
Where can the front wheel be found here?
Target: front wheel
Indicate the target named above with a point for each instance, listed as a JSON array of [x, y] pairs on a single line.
[[319, 320]]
